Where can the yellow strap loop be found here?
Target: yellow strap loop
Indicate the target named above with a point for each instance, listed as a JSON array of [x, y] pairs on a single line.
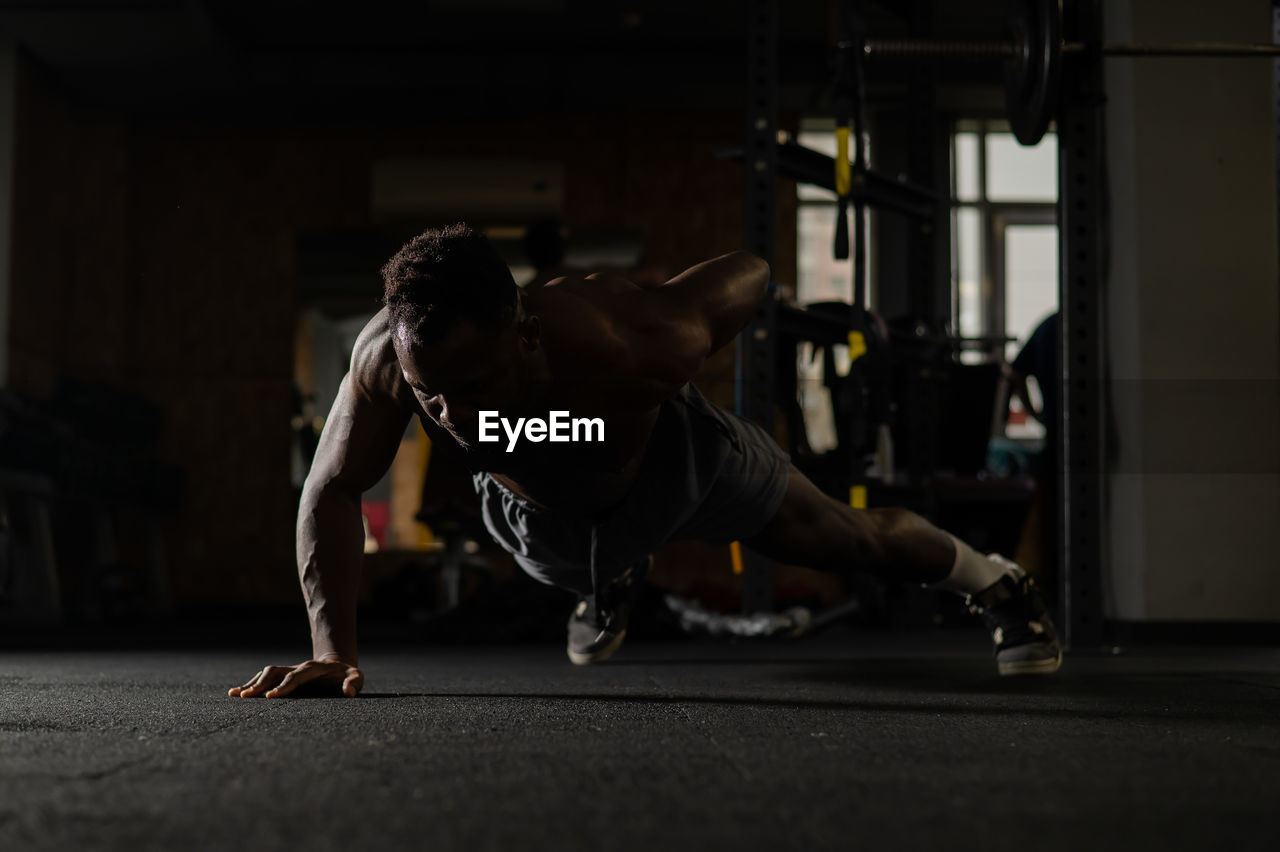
[[844, 178], [857, 346]]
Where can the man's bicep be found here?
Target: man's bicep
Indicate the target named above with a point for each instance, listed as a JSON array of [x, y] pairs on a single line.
[[359, 441]]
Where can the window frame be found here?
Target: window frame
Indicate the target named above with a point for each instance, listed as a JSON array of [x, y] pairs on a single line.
[[994, 219]]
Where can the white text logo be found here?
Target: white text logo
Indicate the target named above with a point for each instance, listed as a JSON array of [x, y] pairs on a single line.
[[560, 428]]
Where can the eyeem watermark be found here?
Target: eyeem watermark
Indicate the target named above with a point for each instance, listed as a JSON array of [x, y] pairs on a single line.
[[560, 428]]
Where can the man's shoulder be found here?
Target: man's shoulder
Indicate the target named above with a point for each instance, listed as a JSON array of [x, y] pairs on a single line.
[[372, 349], [375, 370]]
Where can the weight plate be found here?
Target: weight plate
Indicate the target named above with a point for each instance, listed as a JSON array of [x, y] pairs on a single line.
[[1033, 74]]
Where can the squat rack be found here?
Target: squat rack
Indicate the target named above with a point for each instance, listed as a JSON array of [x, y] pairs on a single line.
[[1053, 72]]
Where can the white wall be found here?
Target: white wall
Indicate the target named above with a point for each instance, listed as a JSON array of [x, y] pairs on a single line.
[[1194, 319]]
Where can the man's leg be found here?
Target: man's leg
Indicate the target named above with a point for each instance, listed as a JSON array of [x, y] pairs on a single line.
[[897, 545], [812, 529]]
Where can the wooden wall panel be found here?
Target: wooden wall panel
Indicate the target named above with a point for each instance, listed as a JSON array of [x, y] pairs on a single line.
[[160, 257]]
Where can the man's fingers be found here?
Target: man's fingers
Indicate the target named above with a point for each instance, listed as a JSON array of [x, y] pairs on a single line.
[[279, 681], [353, 682], [265, 679], [236, 690], [293, 680], [243, 691]]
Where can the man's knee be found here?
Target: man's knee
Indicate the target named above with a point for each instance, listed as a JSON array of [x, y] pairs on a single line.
[[804, 510]]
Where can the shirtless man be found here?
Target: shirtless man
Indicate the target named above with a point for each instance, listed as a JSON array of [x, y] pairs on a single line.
[[457, 337]]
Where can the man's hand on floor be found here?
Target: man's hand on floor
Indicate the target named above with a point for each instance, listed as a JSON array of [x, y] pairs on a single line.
[[327, 675]]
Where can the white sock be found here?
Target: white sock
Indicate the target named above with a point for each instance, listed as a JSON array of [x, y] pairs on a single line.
[[974, 572]]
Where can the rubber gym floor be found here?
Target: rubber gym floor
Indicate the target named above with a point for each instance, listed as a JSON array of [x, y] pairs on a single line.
[[864, 740]]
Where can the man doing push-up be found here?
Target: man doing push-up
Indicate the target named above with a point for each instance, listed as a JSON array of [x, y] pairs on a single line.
[[459, 343]]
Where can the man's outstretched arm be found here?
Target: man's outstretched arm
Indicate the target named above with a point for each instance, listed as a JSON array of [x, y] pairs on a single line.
[[359, 441]]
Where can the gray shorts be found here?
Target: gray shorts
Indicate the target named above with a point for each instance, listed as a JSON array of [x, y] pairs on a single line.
[[707, 475]]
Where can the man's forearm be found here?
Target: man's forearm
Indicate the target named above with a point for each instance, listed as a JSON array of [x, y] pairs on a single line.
[[330, 545]]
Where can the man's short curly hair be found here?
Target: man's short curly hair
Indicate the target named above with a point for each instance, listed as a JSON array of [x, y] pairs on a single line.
[[443, 275]]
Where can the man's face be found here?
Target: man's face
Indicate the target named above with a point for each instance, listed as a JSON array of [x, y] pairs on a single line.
[[469, 370]]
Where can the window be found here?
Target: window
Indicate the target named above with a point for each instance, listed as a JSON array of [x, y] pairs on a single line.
[[1004, 233], [1004, 242]]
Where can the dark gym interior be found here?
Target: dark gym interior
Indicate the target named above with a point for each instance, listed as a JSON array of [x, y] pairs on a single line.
[[1024, 282]]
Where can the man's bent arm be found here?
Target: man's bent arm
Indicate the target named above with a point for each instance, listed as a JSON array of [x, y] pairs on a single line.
[[667, 333], [722, 294]]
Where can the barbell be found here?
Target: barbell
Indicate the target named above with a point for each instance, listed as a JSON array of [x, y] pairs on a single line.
[[1033, 59]]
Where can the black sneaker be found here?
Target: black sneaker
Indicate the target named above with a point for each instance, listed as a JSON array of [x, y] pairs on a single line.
[[1012, 609], [597, 628]]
